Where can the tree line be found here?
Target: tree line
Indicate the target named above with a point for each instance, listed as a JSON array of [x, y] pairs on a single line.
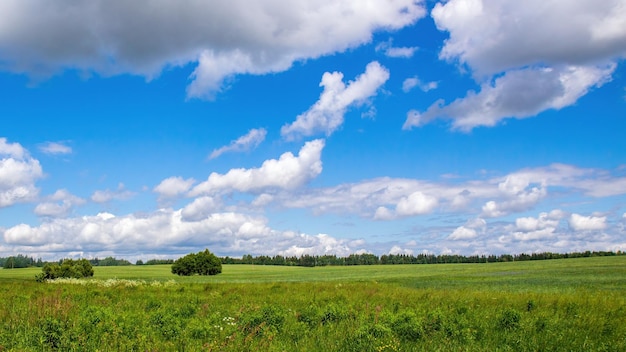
[[372, 259], [22, 261]]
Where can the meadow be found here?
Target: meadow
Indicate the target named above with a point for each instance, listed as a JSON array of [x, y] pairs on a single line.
[[553, 305]]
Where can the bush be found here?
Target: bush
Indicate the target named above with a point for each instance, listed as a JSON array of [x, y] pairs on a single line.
[[68, 268], [201, 263]]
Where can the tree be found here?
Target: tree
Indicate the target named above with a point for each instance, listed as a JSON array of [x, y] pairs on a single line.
[[68, 268], [201, 263]]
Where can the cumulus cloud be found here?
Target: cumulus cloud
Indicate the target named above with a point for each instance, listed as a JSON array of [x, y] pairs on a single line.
[[389, 198], [397, 250], [18, 174], [416, 203], [412, 82], [579, 222], [173, 187], [517, 94], [288, 172], [521, 70], [327, 114], [225, 233], [104, 196], [244, 143], [539, 228], [58, 204], [492, 36], [469, 231], [112, 37], [55, 148], [200, 208]]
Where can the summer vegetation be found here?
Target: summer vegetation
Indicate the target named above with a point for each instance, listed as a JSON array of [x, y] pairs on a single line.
[[556, 305], [201, 263], [68, 268]]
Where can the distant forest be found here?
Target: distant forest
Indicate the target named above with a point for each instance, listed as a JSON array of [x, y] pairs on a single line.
[[22, 261], [386, 259]]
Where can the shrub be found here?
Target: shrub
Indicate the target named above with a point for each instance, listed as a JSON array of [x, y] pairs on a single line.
[[68, 268], [201, 263]]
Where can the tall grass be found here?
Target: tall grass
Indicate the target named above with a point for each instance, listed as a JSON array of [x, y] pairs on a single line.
[[488, 307]]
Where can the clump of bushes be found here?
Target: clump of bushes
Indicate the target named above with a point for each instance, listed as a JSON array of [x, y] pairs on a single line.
[[68, 268], [201, 263]]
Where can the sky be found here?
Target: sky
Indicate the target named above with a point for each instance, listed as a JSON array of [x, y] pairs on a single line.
[[158, 128]]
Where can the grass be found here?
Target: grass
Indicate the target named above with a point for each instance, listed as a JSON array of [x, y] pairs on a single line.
[[558, 305]]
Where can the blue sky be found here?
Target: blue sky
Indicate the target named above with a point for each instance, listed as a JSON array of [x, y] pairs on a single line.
[[317, 127]]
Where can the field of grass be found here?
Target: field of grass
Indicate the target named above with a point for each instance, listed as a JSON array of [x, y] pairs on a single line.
[[558, 305]]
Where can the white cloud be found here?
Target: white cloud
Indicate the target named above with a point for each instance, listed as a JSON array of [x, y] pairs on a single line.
[[587, 223], [166, 231], [463, 233], [288, 172], [396, 52], [200, 208], [528, 224], [319, 245], [327, 114], [540, 228], [521, 70], [516, 192], [396, 250], [172, 187], [492, 36], [55, 148], [520, 201], [18, 174], [413, 82], [58, 204], [113, 37], [416, 203], [517, 94], [470, 230], [12, 150], [104, 196], [244, 143]]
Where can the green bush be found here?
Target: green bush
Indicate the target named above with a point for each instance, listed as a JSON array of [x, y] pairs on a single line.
[[201, 263], [68, 268]]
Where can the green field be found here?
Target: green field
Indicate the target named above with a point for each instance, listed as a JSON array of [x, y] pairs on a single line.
[[556, 305]]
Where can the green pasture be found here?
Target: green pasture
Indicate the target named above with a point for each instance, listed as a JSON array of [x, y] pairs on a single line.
[[596, 273], [556, 305]]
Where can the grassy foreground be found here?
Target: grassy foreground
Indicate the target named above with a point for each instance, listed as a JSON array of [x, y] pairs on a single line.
[[559, 305]]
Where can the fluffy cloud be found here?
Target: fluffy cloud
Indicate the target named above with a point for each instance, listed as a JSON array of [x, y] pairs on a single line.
[[517, 94], [468, 231], [327, 114], [492, 36], [540, 228], [55, 148], [416, 203], [58, 205], [200, 208], [225, 233], [173, 186], [224, 38], [18, 174], [288, 172], [521, 70], [244, 143], [103, 196], [390, 198], [413, 82], [587, 223]]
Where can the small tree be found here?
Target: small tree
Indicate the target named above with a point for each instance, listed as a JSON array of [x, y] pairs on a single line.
[[201, 263], [68, 268]]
